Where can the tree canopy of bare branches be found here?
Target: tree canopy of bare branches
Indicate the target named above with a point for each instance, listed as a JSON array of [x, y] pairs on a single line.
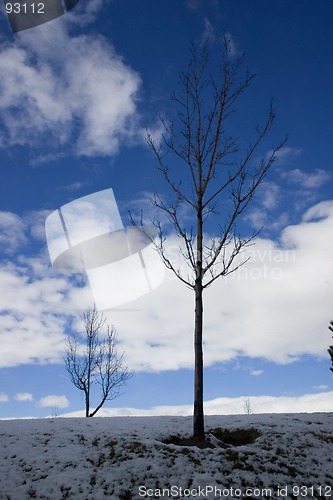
[[95, 361], [209, 177]]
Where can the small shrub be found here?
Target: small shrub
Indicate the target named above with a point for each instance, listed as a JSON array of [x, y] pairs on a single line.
[[65, 490], [236, 437], [81, 437], [32, 493], [95, 441], [127, 495]]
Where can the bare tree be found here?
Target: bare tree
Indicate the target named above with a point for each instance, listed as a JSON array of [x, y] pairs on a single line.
[[247, 406], [330, 349], [209, 174], [96, 361]]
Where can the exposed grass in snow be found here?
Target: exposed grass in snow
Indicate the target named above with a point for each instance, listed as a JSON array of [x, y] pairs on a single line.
[[130, 458]]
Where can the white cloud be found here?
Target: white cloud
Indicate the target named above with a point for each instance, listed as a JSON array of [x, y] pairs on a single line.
[[276, 307], [32, 312], [268, 197], [300, 178], [87, 15], [302, 188], [15, 231], [269, 194], [208, 34], [75, 186], [81, 95], [320, 402], [12, 232], [23, 396], [319, 212], [233, 49], [260, 218], [52, 400], [3, 397], [37, 304], [285, 155], [35, 223], [271, 404], [256, 373]]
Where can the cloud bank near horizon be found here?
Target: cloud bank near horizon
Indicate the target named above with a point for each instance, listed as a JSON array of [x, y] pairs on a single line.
[[307, 403]]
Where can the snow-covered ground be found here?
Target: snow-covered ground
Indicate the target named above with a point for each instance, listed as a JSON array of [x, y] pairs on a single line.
[[127, 458]]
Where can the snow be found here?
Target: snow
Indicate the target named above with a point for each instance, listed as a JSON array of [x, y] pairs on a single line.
[[127, 458]]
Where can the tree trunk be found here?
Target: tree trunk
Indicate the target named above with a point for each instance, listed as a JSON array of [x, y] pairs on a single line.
[[87, 398], [198, 416]]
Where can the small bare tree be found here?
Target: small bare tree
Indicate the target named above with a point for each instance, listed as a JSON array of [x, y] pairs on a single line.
[[247, 406], [330, 349], [208, 175], [96, 361]]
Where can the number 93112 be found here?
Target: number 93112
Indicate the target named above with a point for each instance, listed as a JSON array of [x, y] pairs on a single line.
[[25, 8]]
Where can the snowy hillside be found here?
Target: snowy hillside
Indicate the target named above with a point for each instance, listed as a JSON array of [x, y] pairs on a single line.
[[274, 456]]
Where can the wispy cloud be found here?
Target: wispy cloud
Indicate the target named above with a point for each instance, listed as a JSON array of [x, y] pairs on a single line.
[[285, 155], [52, 400], [3, 397], [86, 15], [308, 180], [256, 373], [23, 396], [12, 232], [15, 231], [269, 195], [297, 187], [75, 186], [208, 33], [232, 43], [260, 217]]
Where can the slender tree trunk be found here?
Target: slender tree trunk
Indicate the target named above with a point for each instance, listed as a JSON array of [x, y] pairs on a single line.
[[87, 397], [198, 416], [90, 360]]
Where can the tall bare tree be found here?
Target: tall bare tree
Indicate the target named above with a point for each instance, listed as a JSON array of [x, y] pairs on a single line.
[[95, 361], [208, 176]]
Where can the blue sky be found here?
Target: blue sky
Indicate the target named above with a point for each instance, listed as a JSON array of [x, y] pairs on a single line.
[[76, 96]]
